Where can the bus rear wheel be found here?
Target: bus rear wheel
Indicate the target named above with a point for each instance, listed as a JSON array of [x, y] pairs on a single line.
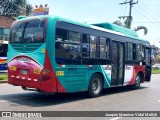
[[95, 86], [137, 83]]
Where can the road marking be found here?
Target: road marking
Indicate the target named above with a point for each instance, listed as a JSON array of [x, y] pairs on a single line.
[[116, 118]]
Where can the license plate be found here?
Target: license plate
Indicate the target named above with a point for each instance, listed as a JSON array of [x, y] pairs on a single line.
[[24, 72]]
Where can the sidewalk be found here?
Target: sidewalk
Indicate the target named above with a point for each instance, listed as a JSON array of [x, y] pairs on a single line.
[[3, 81]]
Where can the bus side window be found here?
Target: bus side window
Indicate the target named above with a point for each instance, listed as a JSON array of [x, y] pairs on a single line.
[[134, 51], [67, 47], [130, 51], [61, 35], [140, 53], [107, 48], [93, 42], [126, 51], [104, 48], [74, 40], [85, 45], [147, 57]]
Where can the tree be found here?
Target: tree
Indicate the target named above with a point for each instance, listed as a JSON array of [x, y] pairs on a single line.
[[141, 28], [14, 8], [29, 9], [125, 24], [117, 22], [157, 58]]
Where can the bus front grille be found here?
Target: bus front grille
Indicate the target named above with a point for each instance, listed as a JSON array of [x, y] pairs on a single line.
[[26, 48]]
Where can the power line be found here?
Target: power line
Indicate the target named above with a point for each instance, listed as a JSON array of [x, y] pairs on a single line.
[[129, 18], [151, 15], [147, 22], [148, 8], [147, 18]]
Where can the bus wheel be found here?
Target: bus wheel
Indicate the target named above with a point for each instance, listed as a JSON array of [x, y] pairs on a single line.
[[95, 85], [137, 83]]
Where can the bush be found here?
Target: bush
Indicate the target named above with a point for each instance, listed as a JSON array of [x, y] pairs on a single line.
[[155, 71], [3, 77]]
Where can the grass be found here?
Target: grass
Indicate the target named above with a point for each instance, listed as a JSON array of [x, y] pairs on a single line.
[[155, 71], [3, 77]]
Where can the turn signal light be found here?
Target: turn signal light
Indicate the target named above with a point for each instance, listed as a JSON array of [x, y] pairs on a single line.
[[13, 68]]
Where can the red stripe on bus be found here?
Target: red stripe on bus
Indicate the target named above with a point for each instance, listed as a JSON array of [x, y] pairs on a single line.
[[52, 85]]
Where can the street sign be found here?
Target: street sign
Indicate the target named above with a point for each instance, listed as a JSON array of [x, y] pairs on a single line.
[[41, 10]]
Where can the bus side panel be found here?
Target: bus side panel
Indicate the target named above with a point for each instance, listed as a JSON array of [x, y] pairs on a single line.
[[106, 70], [76, 78], [140, 69], [131, 73], [73, 78]]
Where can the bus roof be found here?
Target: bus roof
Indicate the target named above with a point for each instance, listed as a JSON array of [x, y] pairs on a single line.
[[107, 27], [117, 28]]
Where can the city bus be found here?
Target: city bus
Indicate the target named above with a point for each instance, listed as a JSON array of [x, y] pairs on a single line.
[[55, 55], [3, 55]]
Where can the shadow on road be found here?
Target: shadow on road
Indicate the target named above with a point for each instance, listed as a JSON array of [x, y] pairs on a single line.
[[35, 99]]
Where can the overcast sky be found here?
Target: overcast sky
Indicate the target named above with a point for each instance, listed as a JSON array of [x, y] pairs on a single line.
[[145, 13]]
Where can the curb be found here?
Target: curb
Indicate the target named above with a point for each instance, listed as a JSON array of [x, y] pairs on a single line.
[[3, 81]]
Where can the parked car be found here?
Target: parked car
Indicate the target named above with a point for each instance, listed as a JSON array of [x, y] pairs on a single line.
[[156, 66]]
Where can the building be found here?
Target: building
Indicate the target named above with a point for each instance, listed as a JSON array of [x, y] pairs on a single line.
[[5, 24]]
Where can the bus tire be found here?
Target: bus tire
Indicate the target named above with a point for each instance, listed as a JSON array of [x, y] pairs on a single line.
[[95, 86], [137, 83]]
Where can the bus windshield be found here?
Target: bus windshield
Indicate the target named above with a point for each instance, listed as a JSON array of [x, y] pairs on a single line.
[[27, 32], [3, 50]]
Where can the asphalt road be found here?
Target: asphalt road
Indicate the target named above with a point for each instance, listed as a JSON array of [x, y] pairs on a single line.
[[147, 98]]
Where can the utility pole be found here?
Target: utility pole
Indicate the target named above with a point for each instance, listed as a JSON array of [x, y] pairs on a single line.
[[129, 18]]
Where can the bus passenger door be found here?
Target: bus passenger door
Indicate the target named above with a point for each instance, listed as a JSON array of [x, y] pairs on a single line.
[[148, 65], [117, 64]]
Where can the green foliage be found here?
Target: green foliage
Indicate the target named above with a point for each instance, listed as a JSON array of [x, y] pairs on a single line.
[[29, 9], [3, 77], [125, 24], [157, 58], [15, 8]]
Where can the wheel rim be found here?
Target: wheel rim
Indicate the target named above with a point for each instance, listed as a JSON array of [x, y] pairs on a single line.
[[96, 86], [138, 80]]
